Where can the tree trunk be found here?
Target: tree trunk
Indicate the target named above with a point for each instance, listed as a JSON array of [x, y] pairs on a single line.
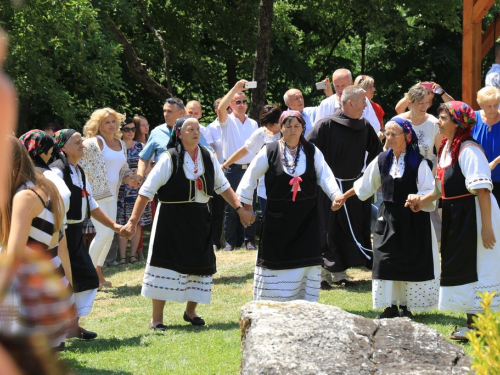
[[363, 52], [23, 121], [136, 67], [261, 66]]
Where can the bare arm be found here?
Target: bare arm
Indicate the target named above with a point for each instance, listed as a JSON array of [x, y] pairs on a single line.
[[246, 214], [484, 198], [235, 157], [62, 252], [402, 105], [105, 220], [494, 163], [341, 199], [142, 167], [224, 103], [416, 202]]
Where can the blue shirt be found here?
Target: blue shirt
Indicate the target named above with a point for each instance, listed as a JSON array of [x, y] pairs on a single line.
[[158, 141], [309, 114], [490, 141]]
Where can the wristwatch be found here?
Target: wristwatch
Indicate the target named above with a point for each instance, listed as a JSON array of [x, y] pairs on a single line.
[[239, 207]]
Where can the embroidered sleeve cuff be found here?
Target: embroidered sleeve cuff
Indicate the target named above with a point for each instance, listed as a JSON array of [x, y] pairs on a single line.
[[246, 196], [478, 182], [222, 188]]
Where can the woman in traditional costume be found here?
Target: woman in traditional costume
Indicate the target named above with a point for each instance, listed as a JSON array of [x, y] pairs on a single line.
[[289, 256], [405, 249], [470, 254], [181, 259]]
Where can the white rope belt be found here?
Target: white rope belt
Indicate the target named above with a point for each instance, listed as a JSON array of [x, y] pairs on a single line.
[[358, 244]]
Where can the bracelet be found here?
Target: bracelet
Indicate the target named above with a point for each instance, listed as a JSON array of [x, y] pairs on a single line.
[[239, 207]]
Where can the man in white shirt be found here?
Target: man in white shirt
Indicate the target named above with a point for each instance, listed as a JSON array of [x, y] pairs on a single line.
[[493, 75], [294, 100], [342, 78], [236, 129]]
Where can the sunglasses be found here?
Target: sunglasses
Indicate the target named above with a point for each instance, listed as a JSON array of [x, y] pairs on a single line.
[[179, 102], [127, 130], [238, 102]]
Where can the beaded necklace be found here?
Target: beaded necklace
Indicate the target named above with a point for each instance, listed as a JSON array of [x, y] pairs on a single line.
[[291, 164]]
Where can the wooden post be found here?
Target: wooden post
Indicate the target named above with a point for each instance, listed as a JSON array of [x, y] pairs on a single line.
[[472, 48]]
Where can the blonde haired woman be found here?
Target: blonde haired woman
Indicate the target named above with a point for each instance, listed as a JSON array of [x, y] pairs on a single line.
[[367, 83], [105, 156], [487, 131]]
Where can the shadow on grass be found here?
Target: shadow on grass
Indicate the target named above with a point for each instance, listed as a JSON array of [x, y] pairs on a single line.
[[103, 344], [78, 368], [209, 327], [240, 279], [122, 291], [360, 286], [110, 271]]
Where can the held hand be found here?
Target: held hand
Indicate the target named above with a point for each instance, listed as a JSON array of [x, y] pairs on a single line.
[[488, 237], [414, 202], [117, 228], [240, 85], [128, 230], [328, 91], [338, 202], [246, 217], [436, 86]]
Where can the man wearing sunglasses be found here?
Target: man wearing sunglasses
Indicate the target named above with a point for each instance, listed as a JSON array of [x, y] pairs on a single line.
[[236, 129], [173, 108]]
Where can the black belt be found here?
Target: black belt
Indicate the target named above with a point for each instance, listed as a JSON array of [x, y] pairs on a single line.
[[239, 166]]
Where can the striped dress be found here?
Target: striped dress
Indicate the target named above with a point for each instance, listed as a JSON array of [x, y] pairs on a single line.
[[44, 295]]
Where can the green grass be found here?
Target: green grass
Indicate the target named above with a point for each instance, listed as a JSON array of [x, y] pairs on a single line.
[[126, 345]]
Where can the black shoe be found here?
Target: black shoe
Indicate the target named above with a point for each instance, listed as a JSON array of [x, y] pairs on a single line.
[[81, 333], [404, 312], [389, 312], [345, 283], [195, 321], [158, 327], [325, 286]]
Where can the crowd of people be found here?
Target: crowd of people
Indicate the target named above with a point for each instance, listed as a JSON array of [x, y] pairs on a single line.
[[337, 188]]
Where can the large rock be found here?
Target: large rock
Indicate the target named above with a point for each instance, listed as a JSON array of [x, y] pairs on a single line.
[[310, 338]]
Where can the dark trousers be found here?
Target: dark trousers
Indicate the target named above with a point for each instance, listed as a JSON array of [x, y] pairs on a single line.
[[218, 205], [233, 229], [496, 192]]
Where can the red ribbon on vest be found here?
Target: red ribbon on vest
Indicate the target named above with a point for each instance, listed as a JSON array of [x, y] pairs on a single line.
[[295, 182]]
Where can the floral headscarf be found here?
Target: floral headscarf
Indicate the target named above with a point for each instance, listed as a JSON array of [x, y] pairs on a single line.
[[176, 131], [288, 114], [462, 113], [61, 137], [37, 142]]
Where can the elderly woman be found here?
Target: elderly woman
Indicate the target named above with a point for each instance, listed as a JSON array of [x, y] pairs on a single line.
[[487, 132], [69, 150], [181, 260], [105, 165], [289, 257], [268, 131], [470, 254], [405, 249]]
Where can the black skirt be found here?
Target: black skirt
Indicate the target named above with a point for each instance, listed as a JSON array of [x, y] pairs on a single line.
[[290, 235], [182, 239], [402, 244], [83, 270]]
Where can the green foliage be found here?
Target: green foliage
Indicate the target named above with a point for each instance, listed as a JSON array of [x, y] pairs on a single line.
[[485, 341]]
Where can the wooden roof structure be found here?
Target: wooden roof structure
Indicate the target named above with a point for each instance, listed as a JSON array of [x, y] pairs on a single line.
[[475, 46]]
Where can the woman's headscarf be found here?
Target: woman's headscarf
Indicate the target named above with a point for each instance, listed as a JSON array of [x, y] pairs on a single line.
[[462, 113], [287, 114], [412, 158], [176, 131], [61, 137], [37, 142]]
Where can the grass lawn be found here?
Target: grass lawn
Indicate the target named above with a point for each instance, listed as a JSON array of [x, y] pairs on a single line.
[[126, 345]]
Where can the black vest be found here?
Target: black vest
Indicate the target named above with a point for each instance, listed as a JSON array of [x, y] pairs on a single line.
[[278, 182], [397, 190], [77, 194], [180, 189], [454, 180]]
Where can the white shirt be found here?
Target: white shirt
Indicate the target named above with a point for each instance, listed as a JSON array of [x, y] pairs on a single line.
[[76, 178], [330, 104], [206, 133], [61, 187], [493, 76], [474, 166], [253, 145], [426, 135], [216, 134], [371, 181], [234, 135], [260, 165], [309, 115], [162, 172]]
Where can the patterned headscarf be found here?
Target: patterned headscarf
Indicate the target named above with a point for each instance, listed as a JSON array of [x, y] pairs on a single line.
[[462, 113], [412, 157], [176, 131], [61, 137], [37, 142], [289, 114]]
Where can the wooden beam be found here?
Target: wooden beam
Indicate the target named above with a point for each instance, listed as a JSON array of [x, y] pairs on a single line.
[[489, 36], [481, 7], [471, 55]]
